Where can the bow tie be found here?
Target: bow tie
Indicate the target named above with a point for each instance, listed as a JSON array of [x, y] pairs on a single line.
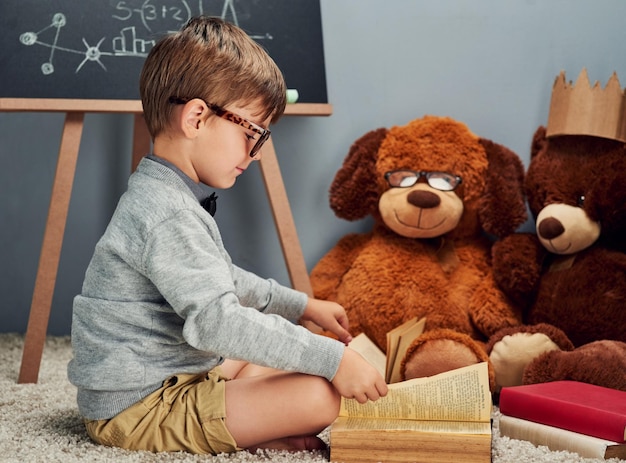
[[210, 204]]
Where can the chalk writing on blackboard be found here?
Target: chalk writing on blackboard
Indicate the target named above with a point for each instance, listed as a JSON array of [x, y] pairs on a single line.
[[88, 49], [129, 41]]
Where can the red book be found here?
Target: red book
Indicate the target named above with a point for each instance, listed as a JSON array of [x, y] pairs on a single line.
[[579, 407]]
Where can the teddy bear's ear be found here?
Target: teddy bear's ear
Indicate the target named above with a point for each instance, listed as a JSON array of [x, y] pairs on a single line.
[[354, 193], [539, 141], [502, 207]]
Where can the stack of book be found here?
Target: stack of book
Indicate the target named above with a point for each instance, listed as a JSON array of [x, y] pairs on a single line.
[[566, 415]]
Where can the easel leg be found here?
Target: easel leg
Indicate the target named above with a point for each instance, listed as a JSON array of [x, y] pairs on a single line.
[[283, 219], [141, 140], [51, 248], [287, 234]]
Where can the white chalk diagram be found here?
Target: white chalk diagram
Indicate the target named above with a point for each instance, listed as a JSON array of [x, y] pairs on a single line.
[[127, 43]]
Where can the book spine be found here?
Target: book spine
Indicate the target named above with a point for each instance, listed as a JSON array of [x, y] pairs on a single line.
[[554, 438], [570, 416]]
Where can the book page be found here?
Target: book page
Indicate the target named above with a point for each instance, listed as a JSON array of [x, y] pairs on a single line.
[[393, 341], [457, 395], [402, 341], [462, 427], [398, 341], [370, 352]]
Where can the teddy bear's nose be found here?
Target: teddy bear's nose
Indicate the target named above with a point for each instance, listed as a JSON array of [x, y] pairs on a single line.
[[423, 199], [549, 228]]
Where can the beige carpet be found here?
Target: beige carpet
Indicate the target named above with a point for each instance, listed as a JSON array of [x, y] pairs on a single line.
[[40, 423]]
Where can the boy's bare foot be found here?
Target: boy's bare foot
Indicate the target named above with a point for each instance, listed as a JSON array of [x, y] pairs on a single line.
[[307, 443], [293, 444]]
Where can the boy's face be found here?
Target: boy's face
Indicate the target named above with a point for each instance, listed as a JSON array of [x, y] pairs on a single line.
[[221, 150]]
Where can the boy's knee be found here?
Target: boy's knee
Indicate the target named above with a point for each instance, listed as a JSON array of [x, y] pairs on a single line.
[[326, 401]]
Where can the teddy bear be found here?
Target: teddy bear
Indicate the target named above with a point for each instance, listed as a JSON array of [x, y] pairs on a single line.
[[568, 278], [438, 196]]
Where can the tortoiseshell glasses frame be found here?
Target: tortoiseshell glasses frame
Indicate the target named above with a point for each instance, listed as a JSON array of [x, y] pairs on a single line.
[[264, 134]]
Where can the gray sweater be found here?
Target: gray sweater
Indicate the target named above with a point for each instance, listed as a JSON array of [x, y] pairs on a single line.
[[161, 296]]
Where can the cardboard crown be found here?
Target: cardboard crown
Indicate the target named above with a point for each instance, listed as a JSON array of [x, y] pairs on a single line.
[[584, 110]]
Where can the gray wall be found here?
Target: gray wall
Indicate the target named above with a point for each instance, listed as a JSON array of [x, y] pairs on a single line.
[[488, 63]]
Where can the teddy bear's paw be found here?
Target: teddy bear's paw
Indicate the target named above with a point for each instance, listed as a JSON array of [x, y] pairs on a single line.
[[510, 355], [436, 357], [601, 362], [438, 351]]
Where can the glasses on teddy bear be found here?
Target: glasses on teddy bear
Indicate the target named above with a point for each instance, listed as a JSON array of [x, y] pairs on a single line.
[[442, 181]]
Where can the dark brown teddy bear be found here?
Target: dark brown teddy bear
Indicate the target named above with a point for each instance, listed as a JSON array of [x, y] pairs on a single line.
[[434, 190], [570, 277]]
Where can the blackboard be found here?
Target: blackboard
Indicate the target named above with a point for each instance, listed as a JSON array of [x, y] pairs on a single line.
[[94, 49]]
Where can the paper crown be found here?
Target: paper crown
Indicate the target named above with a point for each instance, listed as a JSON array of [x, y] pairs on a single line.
[[584, 110]]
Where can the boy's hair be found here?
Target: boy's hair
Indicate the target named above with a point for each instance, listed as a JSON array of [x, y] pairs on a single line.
[[210, 59]]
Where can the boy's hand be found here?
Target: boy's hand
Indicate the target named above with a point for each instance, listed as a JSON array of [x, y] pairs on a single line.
[[357, 379], [330, 316]]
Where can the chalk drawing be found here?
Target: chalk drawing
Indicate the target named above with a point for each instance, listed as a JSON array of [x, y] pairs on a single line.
[[134, 21]]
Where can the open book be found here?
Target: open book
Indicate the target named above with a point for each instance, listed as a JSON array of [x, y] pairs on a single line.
[[441, 418]]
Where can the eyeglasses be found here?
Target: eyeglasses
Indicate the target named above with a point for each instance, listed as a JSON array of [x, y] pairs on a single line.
[[407, 178], [264, 134]]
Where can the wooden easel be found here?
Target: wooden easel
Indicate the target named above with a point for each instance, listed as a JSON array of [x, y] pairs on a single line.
[[62, 189]]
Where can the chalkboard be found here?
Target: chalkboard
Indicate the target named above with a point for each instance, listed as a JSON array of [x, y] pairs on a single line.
[[94, 49]]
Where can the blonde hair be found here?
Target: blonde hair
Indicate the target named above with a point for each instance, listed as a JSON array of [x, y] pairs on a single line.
[[210, 59]]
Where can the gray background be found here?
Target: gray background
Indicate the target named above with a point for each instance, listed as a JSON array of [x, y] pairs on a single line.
[[488, 63]]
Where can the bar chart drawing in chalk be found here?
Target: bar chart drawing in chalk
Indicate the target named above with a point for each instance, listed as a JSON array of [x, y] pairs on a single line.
[[128, 42]]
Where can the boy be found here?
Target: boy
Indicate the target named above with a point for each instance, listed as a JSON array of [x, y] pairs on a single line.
[[175, 348]]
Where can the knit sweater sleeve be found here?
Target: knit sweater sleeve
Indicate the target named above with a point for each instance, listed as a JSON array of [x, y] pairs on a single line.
[[278, 299], [227, 310]]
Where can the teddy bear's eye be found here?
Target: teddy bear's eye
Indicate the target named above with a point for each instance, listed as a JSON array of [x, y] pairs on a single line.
[[581, 201]]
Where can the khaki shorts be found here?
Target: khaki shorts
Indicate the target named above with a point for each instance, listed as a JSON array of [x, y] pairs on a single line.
[[187, 414]]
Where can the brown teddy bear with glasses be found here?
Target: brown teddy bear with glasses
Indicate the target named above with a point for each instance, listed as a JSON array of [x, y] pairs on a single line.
[[438, 195]]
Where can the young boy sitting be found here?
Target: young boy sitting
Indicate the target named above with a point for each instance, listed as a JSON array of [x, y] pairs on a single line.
[[175, 347]]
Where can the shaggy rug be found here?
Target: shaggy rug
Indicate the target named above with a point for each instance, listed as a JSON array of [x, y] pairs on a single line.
[[40, 423]]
